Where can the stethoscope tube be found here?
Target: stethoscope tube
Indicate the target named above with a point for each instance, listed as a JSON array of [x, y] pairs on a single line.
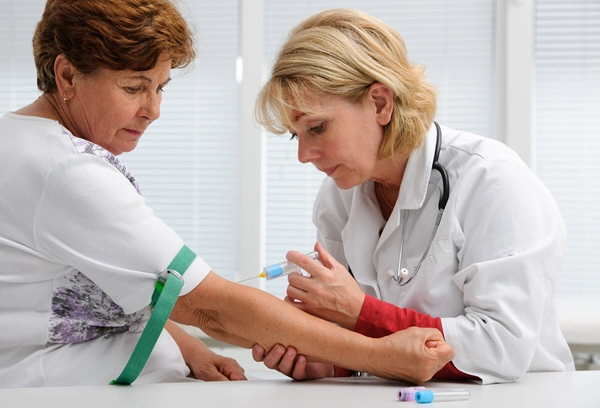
[[445, 193], [402, 276]]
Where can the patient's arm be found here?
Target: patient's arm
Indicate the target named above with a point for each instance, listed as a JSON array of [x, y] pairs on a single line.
[[245, 316]]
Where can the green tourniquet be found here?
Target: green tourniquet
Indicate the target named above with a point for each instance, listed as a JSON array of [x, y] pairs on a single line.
[[163, 299]]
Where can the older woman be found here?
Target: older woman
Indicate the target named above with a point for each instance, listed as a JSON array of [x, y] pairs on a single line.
[[418, 225], [80, 252]]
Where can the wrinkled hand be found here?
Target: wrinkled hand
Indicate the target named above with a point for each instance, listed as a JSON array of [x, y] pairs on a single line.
[[414, 355], [330, 292], [203, 363], [207, 365], [290, 363]]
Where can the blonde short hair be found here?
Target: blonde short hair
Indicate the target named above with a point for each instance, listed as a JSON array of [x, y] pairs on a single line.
[[341, 53]]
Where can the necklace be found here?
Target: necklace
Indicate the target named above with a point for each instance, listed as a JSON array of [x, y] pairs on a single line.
[[384, 197]]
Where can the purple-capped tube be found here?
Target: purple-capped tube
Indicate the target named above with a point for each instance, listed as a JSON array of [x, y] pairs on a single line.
[[408, 393]]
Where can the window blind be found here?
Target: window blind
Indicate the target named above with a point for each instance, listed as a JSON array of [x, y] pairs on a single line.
[[567, 92], [17, 70], [453, 39], [186, 162]]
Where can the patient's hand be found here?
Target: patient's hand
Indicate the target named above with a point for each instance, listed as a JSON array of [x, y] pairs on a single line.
[[203, 363], [207, 365]]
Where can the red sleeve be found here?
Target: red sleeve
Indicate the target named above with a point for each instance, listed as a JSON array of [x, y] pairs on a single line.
[[378, 319], [342, 372]]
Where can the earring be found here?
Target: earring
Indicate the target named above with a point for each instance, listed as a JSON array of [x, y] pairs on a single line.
[[65, 97]]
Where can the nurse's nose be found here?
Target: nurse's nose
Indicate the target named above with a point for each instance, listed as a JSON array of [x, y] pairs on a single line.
[[307, 151]]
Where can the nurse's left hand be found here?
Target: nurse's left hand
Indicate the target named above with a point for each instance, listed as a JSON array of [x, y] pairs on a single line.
[[330, 292], [288, 362]]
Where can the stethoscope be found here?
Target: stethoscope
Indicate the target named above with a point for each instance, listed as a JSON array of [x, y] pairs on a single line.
[[401, 276]]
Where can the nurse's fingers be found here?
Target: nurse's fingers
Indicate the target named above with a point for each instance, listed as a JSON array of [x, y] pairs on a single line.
[[273, 357], [298, 304], [299, 372], [281, 359], [310, 265], [329, 282], [287, 362], [258, 353], [325, 257], [304, 292], [305, 262]]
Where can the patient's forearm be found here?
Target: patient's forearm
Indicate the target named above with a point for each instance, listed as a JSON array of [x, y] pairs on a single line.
[[245, 316]]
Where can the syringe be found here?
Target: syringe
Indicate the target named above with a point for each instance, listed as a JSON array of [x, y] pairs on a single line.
[[283, 268], [280, 269]]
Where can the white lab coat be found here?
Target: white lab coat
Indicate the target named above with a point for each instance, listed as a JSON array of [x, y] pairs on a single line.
[[493, 267]]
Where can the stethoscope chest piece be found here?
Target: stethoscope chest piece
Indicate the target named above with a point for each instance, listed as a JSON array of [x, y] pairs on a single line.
[[403, 276]]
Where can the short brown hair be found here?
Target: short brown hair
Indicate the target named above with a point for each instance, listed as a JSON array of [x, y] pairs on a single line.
[[112, 34], [342, 52]]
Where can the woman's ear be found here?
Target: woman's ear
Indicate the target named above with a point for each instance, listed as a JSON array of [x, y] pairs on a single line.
[[383, 98], [63, 74]]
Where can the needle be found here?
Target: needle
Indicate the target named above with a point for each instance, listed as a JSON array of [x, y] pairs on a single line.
[[244, 280]]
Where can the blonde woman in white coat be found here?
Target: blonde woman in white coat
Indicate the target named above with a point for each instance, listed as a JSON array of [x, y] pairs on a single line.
[[486, 277]]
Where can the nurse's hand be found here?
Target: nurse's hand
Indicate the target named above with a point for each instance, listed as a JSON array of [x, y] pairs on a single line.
[[290, 363], [422, 352], [330, 292]]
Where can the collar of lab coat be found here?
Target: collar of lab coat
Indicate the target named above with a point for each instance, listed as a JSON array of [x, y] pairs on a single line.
[[413, 189], [362, 233]]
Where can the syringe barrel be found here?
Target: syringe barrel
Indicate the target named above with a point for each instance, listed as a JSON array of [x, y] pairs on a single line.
[[284, 268], [280, 269]]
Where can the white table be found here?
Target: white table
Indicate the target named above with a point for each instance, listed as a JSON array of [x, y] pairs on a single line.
[[579, 389]]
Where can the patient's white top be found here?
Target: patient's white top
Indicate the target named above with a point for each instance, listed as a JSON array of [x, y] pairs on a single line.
[[80, 252]]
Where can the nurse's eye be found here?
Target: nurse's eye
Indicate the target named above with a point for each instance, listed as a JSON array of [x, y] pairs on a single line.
[[317, 129]]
